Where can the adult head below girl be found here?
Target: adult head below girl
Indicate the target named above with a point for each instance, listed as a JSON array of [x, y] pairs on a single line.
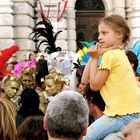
[[114, 78], [7, 120]]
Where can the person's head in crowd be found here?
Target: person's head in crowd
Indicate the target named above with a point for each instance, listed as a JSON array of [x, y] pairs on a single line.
[[66, 116], [34, 54], [41, 71], [42, 57], [29, 102], [82, 88], [134, 63], [30, 56], [95, 102], [29, 105], [132, 130], [79, 73], [54, 83], [7, 120], [32, 129], [10, 86], [9, 66], [14, 60], [28, 77], [23, 58], [132, 59]]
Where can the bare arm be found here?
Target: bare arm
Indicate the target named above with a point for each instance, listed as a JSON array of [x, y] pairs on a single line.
[[97, 77]]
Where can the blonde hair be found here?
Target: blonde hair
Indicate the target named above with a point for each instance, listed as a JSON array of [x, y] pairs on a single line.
[[9, 79], [133, 128], [7, 120], [58, 77], [27, 71], [119, 24]]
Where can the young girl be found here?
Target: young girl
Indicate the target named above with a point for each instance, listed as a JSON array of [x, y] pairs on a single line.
[[114, 78]]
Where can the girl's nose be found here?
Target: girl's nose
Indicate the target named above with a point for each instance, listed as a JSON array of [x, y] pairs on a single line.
[[99, 37]]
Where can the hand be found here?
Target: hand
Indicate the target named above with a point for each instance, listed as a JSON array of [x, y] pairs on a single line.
[[95, 51]]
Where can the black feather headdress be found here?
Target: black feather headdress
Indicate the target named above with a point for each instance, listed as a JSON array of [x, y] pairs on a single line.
[[44, 29]]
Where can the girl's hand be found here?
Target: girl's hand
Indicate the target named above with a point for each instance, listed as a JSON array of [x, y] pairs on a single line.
[[95, 51]]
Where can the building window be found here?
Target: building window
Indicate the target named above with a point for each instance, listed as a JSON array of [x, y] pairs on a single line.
[[86, 5]]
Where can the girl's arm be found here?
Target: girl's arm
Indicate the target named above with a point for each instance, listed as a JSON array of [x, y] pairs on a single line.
[[97, 77]]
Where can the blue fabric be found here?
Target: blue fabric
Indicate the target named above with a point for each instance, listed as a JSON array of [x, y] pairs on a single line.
[[88, 44], [136, 50], [86, 56], [104, 126]]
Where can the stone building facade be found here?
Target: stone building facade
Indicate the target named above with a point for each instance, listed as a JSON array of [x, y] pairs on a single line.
[[18, 17]]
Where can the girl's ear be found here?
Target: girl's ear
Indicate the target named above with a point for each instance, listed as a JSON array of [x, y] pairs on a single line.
[[120, 35]]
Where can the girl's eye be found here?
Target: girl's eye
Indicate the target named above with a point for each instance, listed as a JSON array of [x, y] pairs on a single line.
[[104, 33]]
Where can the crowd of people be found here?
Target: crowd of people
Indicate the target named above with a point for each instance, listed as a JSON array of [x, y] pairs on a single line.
[[38, 103]]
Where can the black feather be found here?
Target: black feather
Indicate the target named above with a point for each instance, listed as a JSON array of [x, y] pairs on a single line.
[[44, 29]]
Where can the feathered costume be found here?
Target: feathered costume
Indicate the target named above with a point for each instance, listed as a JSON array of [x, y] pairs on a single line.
[[82, 51], [136, 50], [47, 33], [4, 57]]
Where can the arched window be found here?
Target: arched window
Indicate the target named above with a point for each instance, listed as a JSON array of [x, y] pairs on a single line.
[[88, 13], [86, 5]]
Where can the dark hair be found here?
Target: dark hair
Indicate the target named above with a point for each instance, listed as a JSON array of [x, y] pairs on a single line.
[[30, 55], [42, 70], [94, 97], [118, 23], [32, 129], [132, 59], [79, 72], [36, 51], [30, 98], [29, 103], [29, 106]]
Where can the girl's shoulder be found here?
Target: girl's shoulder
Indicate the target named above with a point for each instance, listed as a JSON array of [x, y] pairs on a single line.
[[114, 54], [109, 52], [115, 51]]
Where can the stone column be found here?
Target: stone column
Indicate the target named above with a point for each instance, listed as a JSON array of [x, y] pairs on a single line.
[[24, 23], [71, 26], [6, 24], [133, 16], [108, 7], [119, 7], [60, 25]]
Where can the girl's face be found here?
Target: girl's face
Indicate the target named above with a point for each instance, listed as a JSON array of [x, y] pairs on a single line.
[[107, 36]]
